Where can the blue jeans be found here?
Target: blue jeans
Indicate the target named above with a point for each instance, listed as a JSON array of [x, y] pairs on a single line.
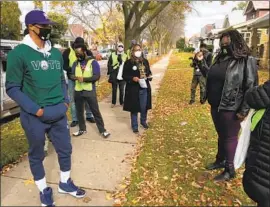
[[71, 88], [143, 104]]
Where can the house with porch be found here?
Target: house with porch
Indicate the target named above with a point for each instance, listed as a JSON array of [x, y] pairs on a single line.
[[255, 29], [74, 31]]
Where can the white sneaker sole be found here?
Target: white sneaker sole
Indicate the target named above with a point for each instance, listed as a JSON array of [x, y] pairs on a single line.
[[70, 193], [43, 205]]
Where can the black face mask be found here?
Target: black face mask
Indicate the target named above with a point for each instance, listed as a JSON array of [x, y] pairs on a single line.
[[226, 50], [80, 57], [44, 33]]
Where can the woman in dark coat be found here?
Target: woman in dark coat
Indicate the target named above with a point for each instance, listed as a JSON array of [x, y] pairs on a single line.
[[256, 177], [232, 74], [137, 75]]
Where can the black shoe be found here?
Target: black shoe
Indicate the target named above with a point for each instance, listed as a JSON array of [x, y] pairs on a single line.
[[227, 174], [145, 126], [202, 101], [91, 120], [136, 131], [74, 123], [215, 165], [79, 133], [191, 102]]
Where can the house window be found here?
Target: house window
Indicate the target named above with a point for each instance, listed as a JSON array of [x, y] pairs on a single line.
[[246, 36]]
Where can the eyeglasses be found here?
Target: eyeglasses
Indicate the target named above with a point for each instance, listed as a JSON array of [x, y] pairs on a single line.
[[121, 46]]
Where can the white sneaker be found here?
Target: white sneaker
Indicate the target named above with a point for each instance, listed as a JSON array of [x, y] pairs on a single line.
[[79, 133], [105, 134]]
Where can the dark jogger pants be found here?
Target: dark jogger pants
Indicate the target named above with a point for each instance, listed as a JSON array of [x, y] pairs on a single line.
[[227, 126], [121, 85], [195, 81], [91, 98], [59, 134]]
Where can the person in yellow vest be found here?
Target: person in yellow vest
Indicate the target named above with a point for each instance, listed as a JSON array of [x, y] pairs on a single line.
[[256, 176], [115, 71], [69, 57], [85, 72]]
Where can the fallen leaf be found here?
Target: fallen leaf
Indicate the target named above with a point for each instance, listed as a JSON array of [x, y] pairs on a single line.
[[29, 182], [108, 196], [203, 199], [165, 178], [196, 185], [86, 199], [184, 197], [183, 123]]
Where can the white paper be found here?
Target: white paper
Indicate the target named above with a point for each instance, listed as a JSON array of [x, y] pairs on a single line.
[[142, 83], [120, 72]]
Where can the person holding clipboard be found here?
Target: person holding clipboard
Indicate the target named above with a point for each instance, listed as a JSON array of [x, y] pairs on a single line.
[[138, 99]]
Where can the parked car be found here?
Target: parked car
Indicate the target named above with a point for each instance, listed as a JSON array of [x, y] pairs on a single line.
[[8, 106], [105, 54]]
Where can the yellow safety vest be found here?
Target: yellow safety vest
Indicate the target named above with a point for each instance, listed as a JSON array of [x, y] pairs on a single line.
[[128, 54], [72, 57], [86, 73], [256, 118], [115, 62]]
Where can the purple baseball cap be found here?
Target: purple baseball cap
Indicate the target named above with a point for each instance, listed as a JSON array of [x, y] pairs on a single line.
[[37, 17]]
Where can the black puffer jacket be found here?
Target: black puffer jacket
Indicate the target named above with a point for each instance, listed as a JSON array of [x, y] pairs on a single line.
[[241, 76], [257, 172]]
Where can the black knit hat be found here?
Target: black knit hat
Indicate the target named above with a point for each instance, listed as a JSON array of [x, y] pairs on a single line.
[[79, 42]]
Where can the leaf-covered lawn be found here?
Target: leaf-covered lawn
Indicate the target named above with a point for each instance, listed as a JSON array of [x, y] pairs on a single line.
[[171, 156]]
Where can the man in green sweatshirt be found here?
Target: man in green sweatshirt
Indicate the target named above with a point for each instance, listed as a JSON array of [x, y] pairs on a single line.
[[35, 80]]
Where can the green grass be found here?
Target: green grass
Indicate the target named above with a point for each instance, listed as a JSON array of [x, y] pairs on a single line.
[[170, 166]]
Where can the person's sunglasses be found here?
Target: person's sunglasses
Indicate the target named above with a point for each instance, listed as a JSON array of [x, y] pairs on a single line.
[[121, 46]]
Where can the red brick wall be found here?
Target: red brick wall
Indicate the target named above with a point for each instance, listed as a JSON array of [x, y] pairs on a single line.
[[262, 12]]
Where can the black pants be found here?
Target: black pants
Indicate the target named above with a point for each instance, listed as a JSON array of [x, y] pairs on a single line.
[[91, 98], [121, 85]]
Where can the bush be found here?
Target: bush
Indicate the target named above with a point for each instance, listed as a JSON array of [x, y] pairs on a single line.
[[189, 49], [210, 48]]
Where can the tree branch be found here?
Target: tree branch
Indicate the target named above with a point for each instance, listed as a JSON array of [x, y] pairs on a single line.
[[131, 13], [144, 8], [158, 10]]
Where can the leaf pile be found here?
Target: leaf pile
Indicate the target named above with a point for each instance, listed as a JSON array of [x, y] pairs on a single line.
[[170, 159]]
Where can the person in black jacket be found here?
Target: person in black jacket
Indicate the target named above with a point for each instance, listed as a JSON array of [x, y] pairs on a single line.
[[233, 72], [69, 58], [137, 75], [198, 76], [256, 176], [115, 71]]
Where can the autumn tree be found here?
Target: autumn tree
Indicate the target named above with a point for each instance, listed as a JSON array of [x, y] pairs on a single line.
[[240, 6], [114, 28], [38, 4], [164, 27], [10, 20], [60, 28]]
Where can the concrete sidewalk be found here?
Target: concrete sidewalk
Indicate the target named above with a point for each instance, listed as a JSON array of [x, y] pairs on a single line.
[[98, 165]]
